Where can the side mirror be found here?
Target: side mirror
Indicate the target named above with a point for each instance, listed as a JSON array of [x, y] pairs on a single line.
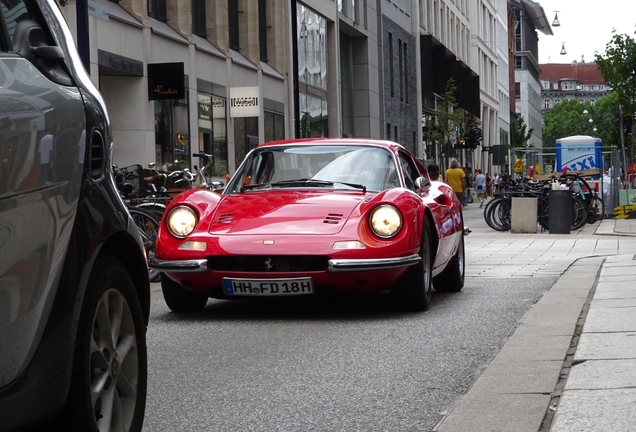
[[423, 184]]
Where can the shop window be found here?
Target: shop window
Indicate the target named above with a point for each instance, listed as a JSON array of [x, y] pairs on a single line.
[[245, 137], [313, 116], [172, 133], [212, 132], [274, 126]]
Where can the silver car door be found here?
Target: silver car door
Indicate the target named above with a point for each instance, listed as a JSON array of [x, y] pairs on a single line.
[[41, 164]]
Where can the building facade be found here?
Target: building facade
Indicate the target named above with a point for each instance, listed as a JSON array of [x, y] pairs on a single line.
[[529, 18], [186, 77], [576, 80], [181, 77]]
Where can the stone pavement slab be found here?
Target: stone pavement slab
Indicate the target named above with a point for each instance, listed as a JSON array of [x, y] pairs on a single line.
[[596, 410]]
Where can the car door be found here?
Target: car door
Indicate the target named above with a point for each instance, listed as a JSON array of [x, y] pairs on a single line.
[[41, 164], [440, 208]]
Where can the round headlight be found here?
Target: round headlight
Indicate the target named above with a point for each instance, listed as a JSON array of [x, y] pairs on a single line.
[[181, 221], [386, 221]]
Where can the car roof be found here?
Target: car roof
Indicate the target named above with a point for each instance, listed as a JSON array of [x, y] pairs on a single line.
[[335, 141]]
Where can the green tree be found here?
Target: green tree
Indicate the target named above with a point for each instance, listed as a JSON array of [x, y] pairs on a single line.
[[445, 127], [618, 66], [520, 134], [572, 117]]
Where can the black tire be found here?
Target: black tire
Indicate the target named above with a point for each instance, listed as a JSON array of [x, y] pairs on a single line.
[[180, 300], [596, 212], [415, 290], [452, 278], [497, 214], [579, 213], [148, 226], [110, 372]]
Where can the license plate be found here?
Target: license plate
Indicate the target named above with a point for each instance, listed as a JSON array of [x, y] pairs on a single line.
[[268, 287]]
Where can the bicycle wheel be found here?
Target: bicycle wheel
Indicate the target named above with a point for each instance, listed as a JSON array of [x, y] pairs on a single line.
[[497, 214], [542, 211], [148, 226], [596, 212], [579, 213], [156, 208]]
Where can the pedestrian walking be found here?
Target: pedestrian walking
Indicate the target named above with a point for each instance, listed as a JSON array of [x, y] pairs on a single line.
[[480, 187], [456, 179], [488, 186], [497, 182], [433, 173], [469, 182]]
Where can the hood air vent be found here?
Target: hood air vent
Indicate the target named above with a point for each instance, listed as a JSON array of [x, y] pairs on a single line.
[[333, 218], [225, 218]]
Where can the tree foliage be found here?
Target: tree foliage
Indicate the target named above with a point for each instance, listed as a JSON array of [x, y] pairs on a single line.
[[472, 133], [520, 134], [618, 66], [568, 118], [445, 126]]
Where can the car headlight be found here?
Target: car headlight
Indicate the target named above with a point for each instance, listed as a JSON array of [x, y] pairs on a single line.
[[181, 221], [386, 221]]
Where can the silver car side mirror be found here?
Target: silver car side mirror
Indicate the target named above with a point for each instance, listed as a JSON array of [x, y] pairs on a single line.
[[423, 184]]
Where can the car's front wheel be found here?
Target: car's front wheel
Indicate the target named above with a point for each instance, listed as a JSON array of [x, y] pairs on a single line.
[[108, 387], [414, 292], [180, 300]]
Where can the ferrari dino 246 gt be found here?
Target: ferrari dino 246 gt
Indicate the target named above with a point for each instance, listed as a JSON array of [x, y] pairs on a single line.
[[302, 217]]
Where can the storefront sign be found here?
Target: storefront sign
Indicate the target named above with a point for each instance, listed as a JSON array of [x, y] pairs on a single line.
[[98, 11], [115, 64], [166, 81], [244, 102]]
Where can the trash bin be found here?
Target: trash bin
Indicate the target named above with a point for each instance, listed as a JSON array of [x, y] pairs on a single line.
[[560, 211]]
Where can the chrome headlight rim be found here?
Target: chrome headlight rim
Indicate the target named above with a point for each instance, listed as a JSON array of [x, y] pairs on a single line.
[[399, 219], [173, 212]]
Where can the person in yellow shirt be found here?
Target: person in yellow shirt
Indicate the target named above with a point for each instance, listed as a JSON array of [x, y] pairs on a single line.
[[456, 179]]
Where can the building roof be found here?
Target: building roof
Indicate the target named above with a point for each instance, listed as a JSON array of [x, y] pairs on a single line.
[[583, 73], [538, 17]]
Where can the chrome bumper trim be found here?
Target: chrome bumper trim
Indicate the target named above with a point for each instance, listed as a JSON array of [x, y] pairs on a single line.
[[191, 266], [337, 265]]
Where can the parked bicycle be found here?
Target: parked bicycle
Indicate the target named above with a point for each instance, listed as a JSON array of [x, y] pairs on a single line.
[[497, 212]]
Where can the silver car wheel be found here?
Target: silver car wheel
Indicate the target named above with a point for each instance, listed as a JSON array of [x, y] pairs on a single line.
[[114, 365]]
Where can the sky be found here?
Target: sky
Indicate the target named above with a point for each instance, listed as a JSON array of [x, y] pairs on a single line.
[[586, 27]]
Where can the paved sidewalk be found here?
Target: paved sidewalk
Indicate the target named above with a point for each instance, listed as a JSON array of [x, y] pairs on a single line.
[[569, 365]]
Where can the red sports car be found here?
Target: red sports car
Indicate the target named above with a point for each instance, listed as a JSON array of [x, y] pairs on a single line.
[[302, 217]]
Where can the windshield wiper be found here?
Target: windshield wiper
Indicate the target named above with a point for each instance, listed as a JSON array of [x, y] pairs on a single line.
[[315, 182], [312, 182], [354, 185]]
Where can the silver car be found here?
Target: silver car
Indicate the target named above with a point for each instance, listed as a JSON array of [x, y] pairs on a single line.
[[74, 290]]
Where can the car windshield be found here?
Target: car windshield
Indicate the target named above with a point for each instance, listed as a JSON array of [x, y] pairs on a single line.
[[317, 166]]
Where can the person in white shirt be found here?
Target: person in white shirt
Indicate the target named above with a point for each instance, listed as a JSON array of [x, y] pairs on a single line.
[[480, 187]]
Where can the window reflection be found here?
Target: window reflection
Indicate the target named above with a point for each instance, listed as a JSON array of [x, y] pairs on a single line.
[[313, 115], [312, 50]]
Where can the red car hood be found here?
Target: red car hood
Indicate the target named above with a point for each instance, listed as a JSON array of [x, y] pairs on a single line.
[[283, 212]]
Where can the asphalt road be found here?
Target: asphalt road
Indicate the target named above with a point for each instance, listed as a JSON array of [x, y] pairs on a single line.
[[326, 364]]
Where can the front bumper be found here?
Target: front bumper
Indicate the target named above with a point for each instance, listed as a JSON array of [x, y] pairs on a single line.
[[334, 265]]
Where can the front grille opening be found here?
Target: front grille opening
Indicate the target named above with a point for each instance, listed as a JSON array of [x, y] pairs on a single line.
[[266, 263]]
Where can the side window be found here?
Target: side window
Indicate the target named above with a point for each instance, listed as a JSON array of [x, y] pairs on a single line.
[[14, 12], [409, 170]]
